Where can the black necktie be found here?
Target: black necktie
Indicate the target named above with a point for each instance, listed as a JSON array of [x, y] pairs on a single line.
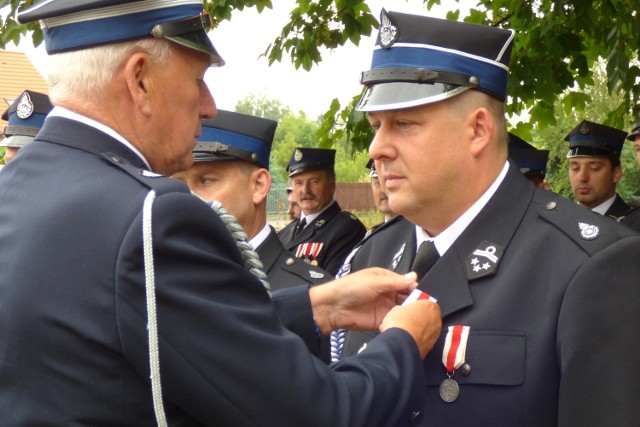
[[427, 256], [301, 224]]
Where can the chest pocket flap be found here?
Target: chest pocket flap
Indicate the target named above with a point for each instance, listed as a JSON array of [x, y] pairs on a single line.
[[493, 358]]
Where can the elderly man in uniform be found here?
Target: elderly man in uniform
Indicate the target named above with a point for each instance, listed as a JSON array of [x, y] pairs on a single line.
[[231, 166], [540, 297], [531, 161], [124, 299], [594, 168], [324, 234], [25, 116]]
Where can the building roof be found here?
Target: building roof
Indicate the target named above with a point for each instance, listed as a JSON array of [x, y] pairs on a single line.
[[17, 73]]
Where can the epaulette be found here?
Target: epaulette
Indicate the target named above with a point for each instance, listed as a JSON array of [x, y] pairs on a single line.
[[159, 183], [307, 272], [589, 230]]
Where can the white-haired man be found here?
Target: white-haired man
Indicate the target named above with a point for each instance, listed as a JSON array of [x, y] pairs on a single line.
[[123, 296]]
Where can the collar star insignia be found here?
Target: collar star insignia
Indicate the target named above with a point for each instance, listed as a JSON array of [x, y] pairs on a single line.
[[484, 260], [25, 109], [388, 32], [588, 231]]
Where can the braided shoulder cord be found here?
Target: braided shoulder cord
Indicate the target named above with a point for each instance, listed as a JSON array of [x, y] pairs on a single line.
[[251, 261], [250, 257]]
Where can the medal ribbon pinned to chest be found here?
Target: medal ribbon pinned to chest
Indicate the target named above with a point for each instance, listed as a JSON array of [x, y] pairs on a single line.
[[453, 355]]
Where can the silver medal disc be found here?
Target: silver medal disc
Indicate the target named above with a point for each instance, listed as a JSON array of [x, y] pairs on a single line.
[[449, 390]]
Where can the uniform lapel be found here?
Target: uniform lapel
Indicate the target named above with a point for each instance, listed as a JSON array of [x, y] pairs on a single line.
[[450, 279], [270, 250]]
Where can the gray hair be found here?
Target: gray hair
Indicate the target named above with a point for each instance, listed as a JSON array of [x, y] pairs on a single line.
[[84, 74]]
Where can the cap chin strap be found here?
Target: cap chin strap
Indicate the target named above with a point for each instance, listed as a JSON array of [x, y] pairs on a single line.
[[251, 260], [416, 75], [187, 25]]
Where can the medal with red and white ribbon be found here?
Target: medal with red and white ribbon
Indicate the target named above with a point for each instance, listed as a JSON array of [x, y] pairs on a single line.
[[310, 251], [453, 355]]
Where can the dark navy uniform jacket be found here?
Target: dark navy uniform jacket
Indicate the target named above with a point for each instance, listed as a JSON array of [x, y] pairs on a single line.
[[554, 321], [339, 231], [632, 219], [285, 270], [618, 209], [73, 322]]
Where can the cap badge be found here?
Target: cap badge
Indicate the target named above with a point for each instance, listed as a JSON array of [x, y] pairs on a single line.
[[588, 231], [483, 261], [388, 33], [24, 110], [584, 129], [297, 155]]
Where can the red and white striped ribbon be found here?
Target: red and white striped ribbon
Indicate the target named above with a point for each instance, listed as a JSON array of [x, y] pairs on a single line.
[[416, 295], [455, 347]]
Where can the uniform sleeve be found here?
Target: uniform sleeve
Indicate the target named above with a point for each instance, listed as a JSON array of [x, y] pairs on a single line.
[[598, 340], [225, 356]]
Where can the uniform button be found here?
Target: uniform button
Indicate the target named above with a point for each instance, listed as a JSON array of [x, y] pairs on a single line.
[[551, 206], [415, 415], [116, 159], [290, 261], [465, 369]]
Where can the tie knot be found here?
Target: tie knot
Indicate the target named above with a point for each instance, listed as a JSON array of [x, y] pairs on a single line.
[[426, 256]]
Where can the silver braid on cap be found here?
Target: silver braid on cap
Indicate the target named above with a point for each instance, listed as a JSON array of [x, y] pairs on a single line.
[[250, 257]]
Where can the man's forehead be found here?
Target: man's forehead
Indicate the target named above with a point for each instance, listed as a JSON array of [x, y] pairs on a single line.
[[589, 160], [307, 175]]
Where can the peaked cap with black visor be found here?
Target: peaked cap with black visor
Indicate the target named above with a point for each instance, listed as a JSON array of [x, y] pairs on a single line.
[[70, 25], [235, 136], [420, 60], [527, 157], [635, 131], [25, 117], [589, 139]]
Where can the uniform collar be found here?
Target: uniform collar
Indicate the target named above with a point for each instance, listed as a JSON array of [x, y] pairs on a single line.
[[70, 115], [444, 240], [313, 216], [259, 238], [602, 208]]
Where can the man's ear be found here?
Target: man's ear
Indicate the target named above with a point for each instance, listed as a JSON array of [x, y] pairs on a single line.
[[617, 174], [483, 129], [261, 184], [136, 73]]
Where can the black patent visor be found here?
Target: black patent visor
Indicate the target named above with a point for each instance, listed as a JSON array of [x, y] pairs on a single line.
[[191, 33], [216, 151]]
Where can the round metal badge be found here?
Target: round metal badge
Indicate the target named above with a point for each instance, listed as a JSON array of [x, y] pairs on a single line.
[[449, 390]]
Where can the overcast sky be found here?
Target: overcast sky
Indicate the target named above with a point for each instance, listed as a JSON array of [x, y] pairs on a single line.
[[245, 37]]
